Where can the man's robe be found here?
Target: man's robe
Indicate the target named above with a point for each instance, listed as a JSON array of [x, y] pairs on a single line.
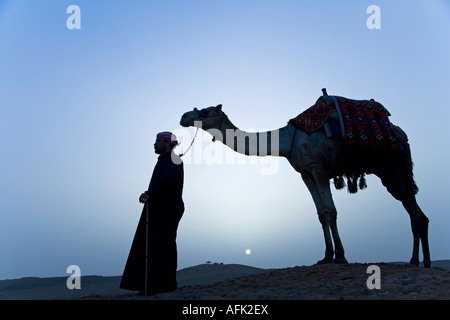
[[165, 208]]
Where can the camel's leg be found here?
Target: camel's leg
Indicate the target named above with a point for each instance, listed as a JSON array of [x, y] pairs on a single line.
[[424, 240], [330, 213], [419, 227], [312, 187], [319, 187], [404, 192]]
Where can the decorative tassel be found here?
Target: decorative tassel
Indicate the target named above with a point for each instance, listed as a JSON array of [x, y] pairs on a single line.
[[352, 183], [362, 182], [339, 182]]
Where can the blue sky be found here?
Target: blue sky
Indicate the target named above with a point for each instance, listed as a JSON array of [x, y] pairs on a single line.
[[79, 111]]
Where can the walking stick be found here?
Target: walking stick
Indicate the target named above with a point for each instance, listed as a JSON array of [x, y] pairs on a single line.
[[146, 249]]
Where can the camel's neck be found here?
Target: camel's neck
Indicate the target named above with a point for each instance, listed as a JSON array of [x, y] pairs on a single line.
[[268, 143]]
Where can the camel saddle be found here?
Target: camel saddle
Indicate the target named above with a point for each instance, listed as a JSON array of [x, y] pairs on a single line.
[[359, 122]]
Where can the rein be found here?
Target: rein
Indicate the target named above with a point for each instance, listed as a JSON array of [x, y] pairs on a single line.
[[192, 142]]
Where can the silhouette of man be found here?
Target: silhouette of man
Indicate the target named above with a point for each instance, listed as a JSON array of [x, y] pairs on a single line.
[[152, 261]]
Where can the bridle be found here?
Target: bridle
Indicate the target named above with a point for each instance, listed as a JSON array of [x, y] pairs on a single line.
[[199, 113], [201, 116]]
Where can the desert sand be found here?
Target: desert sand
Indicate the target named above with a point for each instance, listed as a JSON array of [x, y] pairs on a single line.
[[237, 282]]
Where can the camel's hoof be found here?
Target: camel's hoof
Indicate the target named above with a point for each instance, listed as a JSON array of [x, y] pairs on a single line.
[[325, 261], [340, 261], [414, 261]]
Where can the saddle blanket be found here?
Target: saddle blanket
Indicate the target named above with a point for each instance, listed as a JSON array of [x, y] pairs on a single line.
[[366, 122]]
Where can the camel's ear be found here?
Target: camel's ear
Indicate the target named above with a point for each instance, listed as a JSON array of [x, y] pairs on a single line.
[[219, 107]]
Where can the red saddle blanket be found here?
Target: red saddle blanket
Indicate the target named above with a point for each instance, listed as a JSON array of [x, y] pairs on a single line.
[[366, 122]]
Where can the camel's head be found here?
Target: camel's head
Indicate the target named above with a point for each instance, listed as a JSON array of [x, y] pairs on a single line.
[[210, 117]]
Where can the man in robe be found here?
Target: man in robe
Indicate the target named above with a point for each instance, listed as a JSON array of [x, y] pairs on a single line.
[[152, 261]]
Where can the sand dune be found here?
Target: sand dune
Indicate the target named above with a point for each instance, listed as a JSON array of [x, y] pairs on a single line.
[[34, 288], [212, 273]]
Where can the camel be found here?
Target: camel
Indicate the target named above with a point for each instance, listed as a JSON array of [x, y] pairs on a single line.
[[318, 159]]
